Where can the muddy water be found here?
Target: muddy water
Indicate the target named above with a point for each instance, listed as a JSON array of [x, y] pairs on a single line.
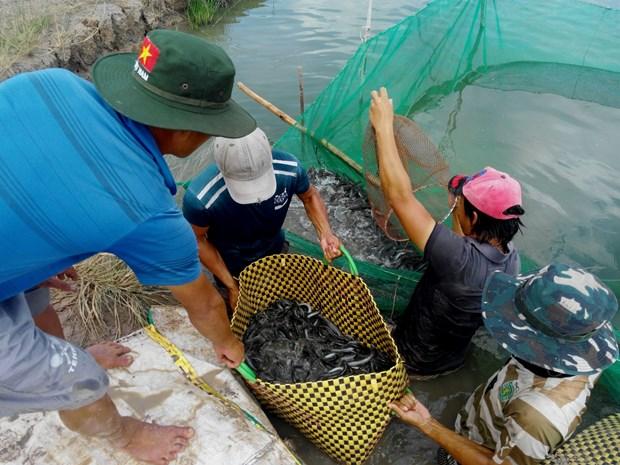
[[268, 40]]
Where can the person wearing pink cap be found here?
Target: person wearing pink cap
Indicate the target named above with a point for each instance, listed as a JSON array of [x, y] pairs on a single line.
[[434, 333]]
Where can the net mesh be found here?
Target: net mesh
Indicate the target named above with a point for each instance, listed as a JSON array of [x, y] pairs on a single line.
[[569, 47], [444, 47], [427, 169]]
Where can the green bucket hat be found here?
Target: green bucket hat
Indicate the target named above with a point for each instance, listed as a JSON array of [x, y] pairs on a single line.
[[177, 81]]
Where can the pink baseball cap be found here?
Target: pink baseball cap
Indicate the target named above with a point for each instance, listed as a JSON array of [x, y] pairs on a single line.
[[493, 192]]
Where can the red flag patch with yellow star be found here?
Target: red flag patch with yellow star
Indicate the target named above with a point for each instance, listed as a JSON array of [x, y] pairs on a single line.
[[148, 55]]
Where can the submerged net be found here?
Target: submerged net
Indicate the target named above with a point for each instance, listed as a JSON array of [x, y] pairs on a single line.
[[562, 47]]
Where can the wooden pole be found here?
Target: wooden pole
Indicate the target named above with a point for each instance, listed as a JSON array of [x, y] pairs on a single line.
[[300, 78], [287, 119], [302, 106]]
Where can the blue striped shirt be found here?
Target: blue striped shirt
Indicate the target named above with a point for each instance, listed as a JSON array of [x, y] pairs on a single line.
[[244, 233], [77, 178]]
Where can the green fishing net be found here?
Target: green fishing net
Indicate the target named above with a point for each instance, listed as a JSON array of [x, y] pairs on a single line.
[[563, 47], [611, 377], [566, 47]]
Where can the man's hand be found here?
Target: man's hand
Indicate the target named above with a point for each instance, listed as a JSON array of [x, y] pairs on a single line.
[[207, 312], [381, 110], [411, 411], [233, 295], [231, 354], [60, 281], [464, 450], [331, 246]]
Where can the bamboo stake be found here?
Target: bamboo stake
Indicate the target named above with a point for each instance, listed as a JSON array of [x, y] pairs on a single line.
[[302, 106], [289, 120], [300, 78]]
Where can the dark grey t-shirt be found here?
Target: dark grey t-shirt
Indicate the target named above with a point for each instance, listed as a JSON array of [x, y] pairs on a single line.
[[444, 311]]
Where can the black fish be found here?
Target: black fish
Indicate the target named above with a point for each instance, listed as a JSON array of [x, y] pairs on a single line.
[[291, 342]]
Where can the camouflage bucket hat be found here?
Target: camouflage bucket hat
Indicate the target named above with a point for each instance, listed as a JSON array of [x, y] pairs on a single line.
[[558, 318]]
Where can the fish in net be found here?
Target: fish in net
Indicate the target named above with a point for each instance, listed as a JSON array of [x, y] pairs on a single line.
[[427, 169]]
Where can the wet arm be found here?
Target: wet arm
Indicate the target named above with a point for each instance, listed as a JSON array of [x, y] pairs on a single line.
[[465, 451], [316, 211], [211, 258], [395, 182]]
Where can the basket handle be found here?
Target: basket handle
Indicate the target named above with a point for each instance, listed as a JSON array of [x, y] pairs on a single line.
[[350, 262], [247, 373]]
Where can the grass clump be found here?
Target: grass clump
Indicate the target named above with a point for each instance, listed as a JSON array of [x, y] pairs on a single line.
[[109, 300], [201, 12], [20, 32]]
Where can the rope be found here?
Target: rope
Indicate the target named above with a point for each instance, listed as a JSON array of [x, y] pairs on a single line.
[[192, 376]]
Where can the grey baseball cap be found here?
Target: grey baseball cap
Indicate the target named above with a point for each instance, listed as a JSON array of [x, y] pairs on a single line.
[[247, 167]]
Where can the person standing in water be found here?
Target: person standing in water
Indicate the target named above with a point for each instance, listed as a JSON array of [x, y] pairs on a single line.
[[444, 312], [238, 205], [556, 325]]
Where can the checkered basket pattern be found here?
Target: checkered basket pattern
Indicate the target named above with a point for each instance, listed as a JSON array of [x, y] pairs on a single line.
[[598, 444], [346, 416]]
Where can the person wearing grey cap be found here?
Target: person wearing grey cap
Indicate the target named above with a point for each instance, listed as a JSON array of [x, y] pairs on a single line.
[[237, 207]]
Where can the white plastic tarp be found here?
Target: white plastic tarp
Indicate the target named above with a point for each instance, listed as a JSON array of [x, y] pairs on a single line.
[[153, 389]]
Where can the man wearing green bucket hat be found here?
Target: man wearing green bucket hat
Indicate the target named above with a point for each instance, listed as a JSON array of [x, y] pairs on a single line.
[[556, 324], [81, 172]]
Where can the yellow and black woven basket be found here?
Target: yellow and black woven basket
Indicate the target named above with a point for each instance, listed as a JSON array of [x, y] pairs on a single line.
[[598, 444], [345, 416]]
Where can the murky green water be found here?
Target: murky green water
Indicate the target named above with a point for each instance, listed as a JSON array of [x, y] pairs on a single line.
[[563, 151], [269, 39]]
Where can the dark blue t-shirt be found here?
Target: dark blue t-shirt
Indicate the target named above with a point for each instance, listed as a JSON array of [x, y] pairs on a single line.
[[244, 233], [77, 178]]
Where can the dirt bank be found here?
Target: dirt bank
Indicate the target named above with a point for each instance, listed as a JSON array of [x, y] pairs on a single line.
[[38, 34]]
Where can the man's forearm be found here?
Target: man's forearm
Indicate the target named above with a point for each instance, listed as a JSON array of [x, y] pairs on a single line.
[[317, 212], [212, 322], [211, 258], [206, 309], [395, 181], [465, 451]]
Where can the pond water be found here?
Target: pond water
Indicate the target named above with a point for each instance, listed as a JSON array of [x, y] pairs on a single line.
[[269, 39], [563, 151]]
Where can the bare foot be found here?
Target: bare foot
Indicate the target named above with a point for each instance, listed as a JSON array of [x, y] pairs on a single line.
[[111, 355], [154, 443]]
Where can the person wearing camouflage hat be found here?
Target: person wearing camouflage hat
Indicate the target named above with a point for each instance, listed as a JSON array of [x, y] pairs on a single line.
[[82, 171], [556, 324]]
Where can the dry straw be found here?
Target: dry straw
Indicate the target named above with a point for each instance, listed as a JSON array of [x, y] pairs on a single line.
[[109, 300]]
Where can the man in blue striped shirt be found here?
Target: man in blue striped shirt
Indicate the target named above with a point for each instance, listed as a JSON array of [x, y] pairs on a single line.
[[237, 207], [82, 172]]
